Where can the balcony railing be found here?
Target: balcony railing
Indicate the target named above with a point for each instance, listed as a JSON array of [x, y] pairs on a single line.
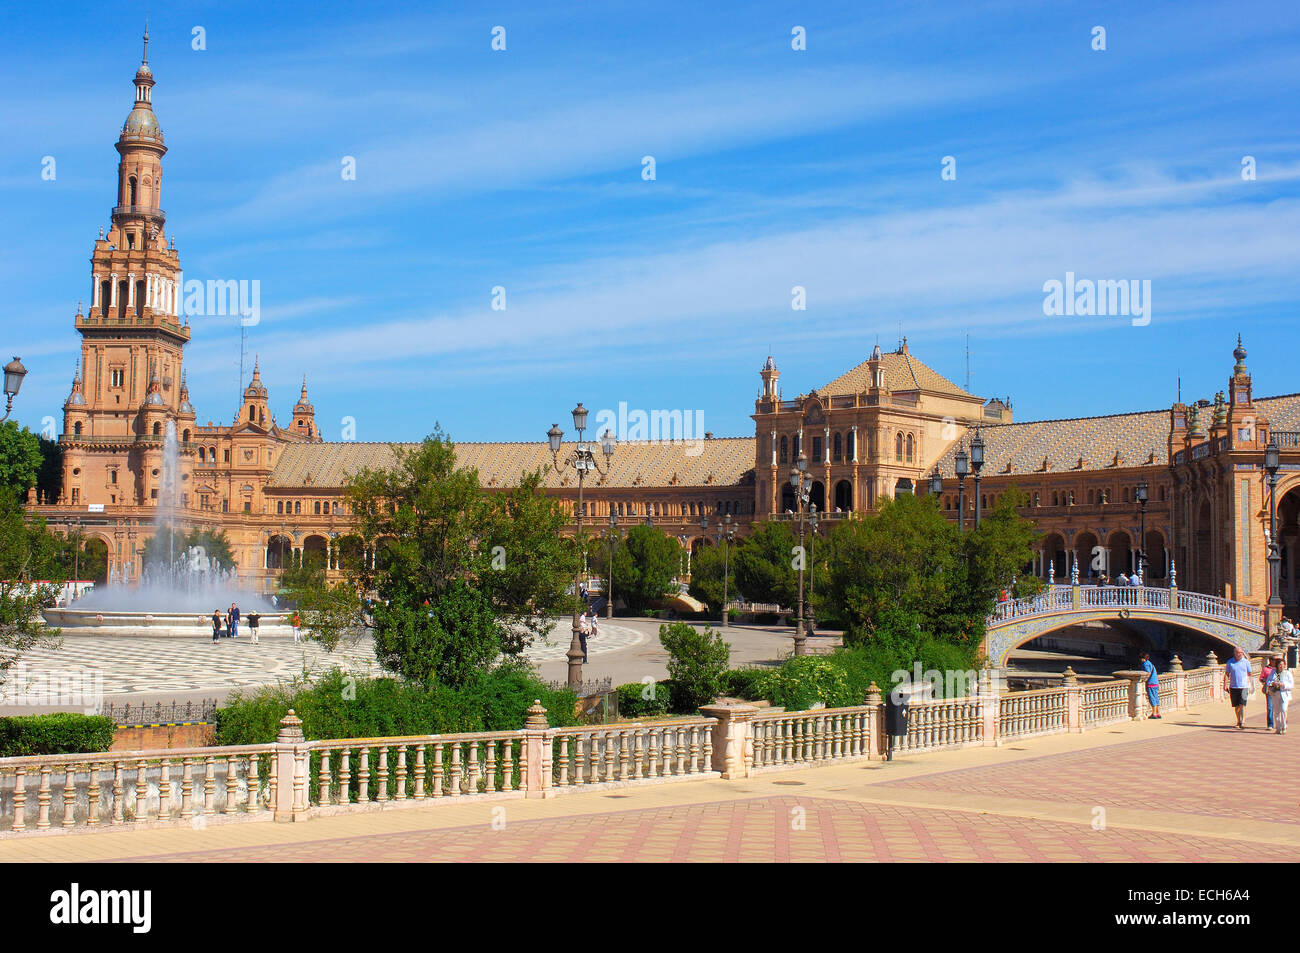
[[144, 211]]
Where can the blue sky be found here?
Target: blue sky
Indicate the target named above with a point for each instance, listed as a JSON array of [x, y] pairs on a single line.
[[775, 168]]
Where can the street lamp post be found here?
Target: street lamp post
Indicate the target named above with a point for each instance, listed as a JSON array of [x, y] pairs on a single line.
[[977, 464], [802, 483], [810, 621], [14, 374], [962, 466], [936, 485], [583, 460], [1272, 462], [612, 536], [1142, 543], [726, 533]]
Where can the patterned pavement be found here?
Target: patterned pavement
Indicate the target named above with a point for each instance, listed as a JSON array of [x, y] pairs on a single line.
[[763, 830], [158, 666]]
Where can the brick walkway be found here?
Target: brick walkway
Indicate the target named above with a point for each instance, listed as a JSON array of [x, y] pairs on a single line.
[[1180, 790]]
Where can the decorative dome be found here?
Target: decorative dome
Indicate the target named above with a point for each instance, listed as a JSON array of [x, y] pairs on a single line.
[[304, 405], [255, 388], [141, 123], [770, 365], [1239, 353], [76, 399], [155, 399]]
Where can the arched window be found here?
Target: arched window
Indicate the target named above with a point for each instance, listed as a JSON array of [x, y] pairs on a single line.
[[785, 450], [911, 444], [202, 454], [157, 429], [76, 429], [851, 447], [837, 448], [131, 191], [185, 436], [898, 448], [252, 414]]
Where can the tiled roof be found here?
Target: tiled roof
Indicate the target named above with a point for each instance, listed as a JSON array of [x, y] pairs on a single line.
[[718, 462], [1135, 437], [902, 372]]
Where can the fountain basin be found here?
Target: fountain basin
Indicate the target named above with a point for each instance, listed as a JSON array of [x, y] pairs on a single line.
[[101, 622]]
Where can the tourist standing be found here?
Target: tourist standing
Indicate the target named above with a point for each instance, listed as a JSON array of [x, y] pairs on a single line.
[[584, 630], [1153, 684], [1237, 677], [234, 621], [253, 620], [1265, 674], [1281, 685], [216, 625], [296, 622], [1122, 580]]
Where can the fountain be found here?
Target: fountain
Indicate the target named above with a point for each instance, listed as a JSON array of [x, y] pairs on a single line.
[[177, 591]]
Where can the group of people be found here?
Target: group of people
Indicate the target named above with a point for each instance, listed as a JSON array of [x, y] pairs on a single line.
[[226, 625], [1123, 579], [1276, 680]]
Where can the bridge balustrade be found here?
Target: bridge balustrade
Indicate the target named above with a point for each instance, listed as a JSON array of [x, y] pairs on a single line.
[[1061, 599]]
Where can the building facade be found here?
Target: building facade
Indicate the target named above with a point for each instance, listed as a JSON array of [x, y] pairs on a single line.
[[879, 430]]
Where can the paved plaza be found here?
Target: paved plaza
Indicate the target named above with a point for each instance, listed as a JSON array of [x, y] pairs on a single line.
[[188, 668], [1183, 789]]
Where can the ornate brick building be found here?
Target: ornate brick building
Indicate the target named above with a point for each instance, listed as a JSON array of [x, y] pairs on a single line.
[[878, 430]]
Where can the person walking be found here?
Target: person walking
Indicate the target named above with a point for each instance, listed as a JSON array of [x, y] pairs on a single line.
[[1153, 684], [1265, 674], [1280, 687], [1237, 677], [234, 621], [253, 620], [296, 622], [216, 625]]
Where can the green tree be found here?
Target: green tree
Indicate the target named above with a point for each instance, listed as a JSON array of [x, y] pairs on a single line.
[[20, 457], [762, 564], [460, 574], [645, 564], [167, 545], [706, 576], [28, 552], [697, 663], [49, 479]]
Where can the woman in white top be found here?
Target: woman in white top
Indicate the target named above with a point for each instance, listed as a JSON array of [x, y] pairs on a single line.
[[1279, 696]]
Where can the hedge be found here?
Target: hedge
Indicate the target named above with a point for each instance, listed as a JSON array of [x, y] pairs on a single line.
[[56, 733], [338, 705], [642, 700]]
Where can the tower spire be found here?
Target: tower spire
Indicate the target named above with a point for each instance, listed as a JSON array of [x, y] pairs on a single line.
[[145, 59]]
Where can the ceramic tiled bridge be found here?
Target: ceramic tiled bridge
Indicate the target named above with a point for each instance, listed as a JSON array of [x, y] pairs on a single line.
[[1017, 622]]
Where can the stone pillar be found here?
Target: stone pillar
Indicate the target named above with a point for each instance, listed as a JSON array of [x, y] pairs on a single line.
[[1137, 694], [1180, 682], [733, 746], [1216, 677], [989, 704], [537, 744], [876, 742], [1073, 700], [291, 767]]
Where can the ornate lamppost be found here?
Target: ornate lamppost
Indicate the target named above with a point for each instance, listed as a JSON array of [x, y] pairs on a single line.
[[936, 483], [961, 463], [1272, 462], [612, 536], [977, 464], [810, 621], [583, 460], [14, 374], [1142, 543], [801, 480], [726, 534]]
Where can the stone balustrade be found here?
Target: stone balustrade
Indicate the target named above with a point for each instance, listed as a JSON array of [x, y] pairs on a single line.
[[294, 779], [1040, 712]]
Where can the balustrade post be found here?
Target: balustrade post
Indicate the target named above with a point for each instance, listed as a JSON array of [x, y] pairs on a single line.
[[733, 744], [287, 752], [875, 721], [989, 705], [538, 738], [1137, 695], [1216, 677], [1073, 700], [1180, 682]]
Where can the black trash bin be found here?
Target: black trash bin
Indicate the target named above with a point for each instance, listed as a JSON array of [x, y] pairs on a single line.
[[895, 719]]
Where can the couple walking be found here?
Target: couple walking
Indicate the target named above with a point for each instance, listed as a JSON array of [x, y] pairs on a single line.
[[1276, 679], [587, 627]]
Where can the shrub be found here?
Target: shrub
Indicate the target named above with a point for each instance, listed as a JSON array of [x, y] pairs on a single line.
[[697, 663], [641, 700], [56, 733], [751, 684], [806, 680], [341, 706]]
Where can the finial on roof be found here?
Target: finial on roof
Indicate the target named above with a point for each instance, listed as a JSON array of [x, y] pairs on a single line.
[[1240, 354], [145, 58]]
